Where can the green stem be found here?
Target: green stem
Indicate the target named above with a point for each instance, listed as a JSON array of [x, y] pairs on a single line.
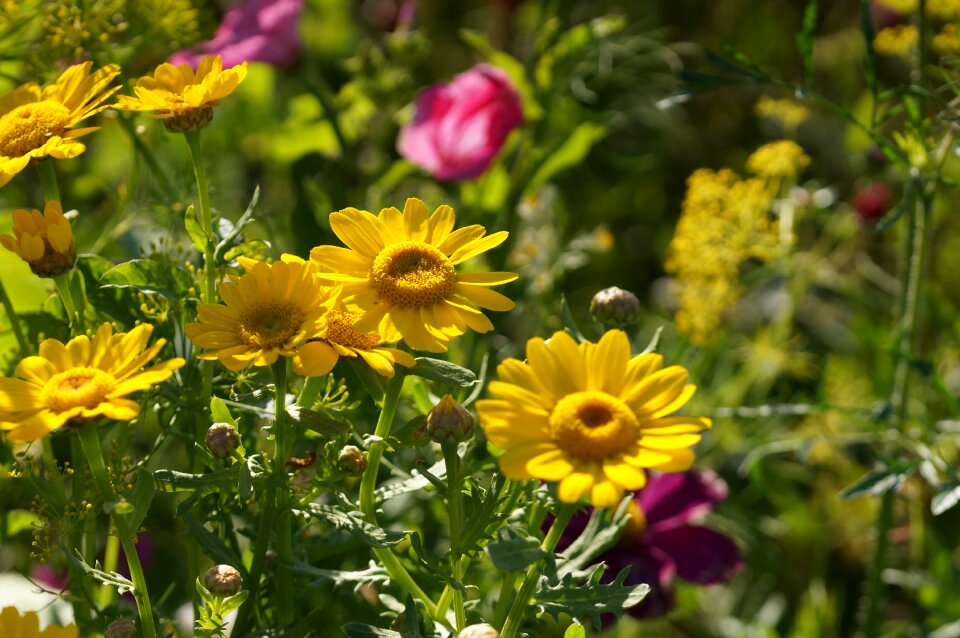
[[48, 181], [14, 321], [110, 555], [128, 126], [206, 216], [62, 282], [368, 484], [454, 483], [518, 609], [310, 391], [90, 442], [284, 590]]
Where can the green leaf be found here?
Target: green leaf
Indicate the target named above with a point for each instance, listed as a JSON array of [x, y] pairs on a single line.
[[443, 372], [373, 575], [946, 498], [654, 342], [194, 229], [113, 579], [906, 204], [211, 544], [575, 631], [515, 553], [597, 536], [232, 237], [416, 482], [147, 276], [805, 39], [590, 598], [878, 482], [570, 153], [352, 522], [569, 323], [220, 412], [318, 421], [20, 521], [180, 481]]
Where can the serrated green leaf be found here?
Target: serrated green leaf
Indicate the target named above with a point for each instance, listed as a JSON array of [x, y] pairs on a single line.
[[590, 598], [515, 553], [194, 229], [374, 574], [570, 153], [443, 372], [178, 481], [416, 482], [147, 276], [353, 523]]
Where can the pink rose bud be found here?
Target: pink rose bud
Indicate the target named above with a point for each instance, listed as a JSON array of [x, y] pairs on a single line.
[[459, 127]]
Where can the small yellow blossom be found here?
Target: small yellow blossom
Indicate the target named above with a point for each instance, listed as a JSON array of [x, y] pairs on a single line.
[[788, 113], [43, 240], [943, 9], [900, 40], [182, 98], [947, 42], [780, 159], [13, 625]]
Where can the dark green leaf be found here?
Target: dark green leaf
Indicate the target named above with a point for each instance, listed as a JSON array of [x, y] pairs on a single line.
[[194, 229], [352, 522], [416, 482], [515, 553], [805, 39], [320, 422], [232, 237], [877, 482], [147, 276], [142, 496], [568, 320], [178, 481], [443, 372], [590, 598], [357, 630], [372, 575], [210, 543]]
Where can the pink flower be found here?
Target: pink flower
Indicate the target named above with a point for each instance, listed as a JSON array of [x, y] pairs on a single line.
[[251, 31], [459, 127]]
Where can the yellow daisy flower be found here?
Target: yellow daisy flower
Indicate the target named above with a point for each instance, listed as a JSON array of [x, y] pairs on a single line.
[[590, 417], [271, 310], [13, 625], [38, 122], [43, 240], [82, 379], [341, 339], [182, 98], [398, 273]]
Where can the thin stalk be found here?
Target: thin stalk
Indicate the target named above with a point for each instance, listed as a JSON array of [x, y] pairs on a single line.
[[110, 556], [22, 342], [206, 216], [144, 151], [310, 391], [284, 590], [48, 181], [62, 282], [454, 483], [90, 443], [368, 484], [520, 604]]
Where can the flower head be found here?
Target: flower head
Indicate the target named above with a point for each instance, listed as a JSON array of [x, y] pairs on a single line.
[[398, 272], [341, 339], [181, 97], [81, 379], [252, 31], [271, 310], [659, 543], [590, 417], [783, 159], [459, 127], [28, 626], [43, 240], [39, 122], [900, 40]]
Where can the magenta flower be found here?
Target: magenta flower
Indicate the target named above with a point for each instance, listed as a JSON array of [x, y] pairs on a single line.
[[458, 128], [659, 543], [251, 31]]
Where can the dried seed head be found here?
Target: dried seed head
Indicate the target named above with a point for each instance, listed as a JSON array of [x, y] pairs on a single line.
[[615, 307], [222, 439], [449, 422], [222, 580]]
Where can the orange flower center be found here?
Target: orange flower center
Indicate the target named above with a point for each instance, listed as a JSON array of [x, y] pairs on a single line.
[[592, 426], [340, 331], [270, 325], [29, 126], [413, 274], [77, 388]]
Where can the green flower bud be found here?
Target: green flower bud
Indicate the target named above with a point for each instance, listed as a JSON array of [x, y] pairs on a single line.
[[615, 307], [482, 630], [121, 628], [352, 460], [222, 580], [449, 422], [222, 439]]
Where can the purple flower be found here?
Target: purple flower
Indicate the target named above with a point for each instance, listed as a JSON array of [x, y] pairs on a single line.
[[251, 31], [659, 543], [459, 128]]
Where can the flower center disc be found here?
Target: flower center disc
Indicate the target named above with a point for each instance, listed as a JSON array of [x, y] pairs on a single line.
[[412, 274], [592, 425], [76, 388], [340, 331], [270, 326], [29, 126]]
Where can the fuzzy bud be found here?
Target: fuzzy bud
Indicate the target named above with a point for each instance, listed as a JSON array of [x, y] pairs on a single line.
[[481, 630], [222, 580], [615, 307], [222, 440], [121, 628], [352, 460], [449, 422]]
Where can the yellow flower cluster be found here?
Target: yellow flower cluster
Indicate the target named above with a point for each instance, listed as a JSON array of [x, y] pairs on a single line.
[[783, 159], [725, 220], [943, 9], [947, 42], [788, 113], [900, 40]]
